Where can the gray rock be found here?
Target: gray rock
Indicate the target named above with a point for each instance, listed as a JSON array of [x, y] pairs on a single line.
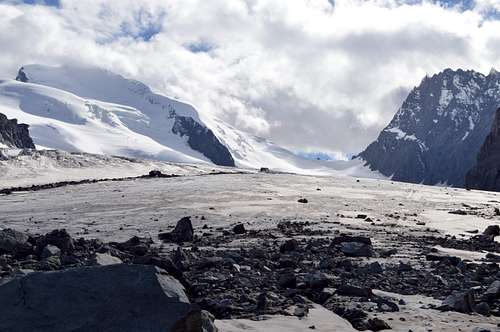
[[356, 249], [348, 290], [239, 229], [492, 230], [316, 280], [183, 232], [196, 321], [59, 238], [104, 259], [49, 251], [105, 298], [480, 329], [13, 242], [289, 245], [460, 302], [483, 309], [493, 291]]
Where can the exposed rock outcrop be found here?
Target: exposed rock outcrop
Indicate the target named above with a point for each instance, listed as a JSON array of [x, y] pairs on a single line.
[[14, 135], [107, 298], [436, 134], [203, 140], [485, 175]]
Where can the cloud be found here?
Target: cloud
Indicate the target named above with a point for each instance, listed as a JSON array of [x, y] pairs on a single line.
[[311, 75]]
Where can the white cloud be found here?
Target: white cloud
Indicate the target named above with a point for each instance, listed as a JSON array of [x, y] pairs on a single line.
[[307, 74]]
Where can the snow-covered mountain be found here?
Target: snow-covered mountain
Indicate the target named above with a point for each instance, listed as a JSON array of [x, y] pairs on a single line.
[[435, 136], [96, 111], [88, 109]]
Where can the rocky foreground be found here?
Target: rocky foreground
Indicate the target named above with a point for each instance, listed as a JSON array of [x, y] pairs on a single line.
[[367, 251]]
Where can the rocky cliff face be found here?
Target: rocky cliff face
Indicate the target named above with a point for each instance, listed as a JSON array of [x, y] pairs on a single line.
[[437, 133], [202, 139], [14, 135], [485, 175]]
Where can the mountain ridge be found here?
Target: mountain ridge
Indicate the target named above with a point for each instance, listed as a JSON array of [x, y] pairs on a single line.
[[437, 132]]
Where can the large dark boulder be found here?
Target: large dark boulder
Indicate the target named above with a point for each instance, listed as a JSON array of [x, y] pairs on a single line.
[[183, 232], [105, 298], [14, 242], [14, 135], [485, 175]]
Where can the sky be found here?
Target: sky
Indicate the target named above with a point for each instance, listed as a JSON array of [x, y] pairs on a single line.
[[316, 76]]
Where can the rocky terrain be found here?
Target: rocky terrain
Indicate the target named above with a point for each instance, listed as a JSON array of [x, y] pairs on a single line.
[[436, 135], [14, 135], [485, 174], [295, 252]]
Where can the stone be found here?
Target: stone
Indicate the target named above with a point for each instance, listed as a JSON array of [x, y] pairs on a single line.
[[196, 321], [492, 230], [49, 251], [59, 238], [289, 245], [287, 280], [440, 257], [377, 324], [480, 329], [239, 229], [104, 298], [303, 200], [493, 292], [348, 290], [459, 301], [483, 308], [104, 259], [183, 232], [347, 238], [317, 281], [356, 249], [14, 242]]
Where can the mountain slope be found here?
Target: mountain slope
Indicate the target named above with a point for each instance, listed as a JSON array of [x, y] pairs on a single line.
[[485, 175], [436, 134], [96, 111], [14, 135]]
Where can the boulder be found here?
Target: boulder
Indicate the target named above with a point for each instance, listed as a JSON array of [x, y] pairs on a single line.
[[183, 232], [103, 298], [493, 292], [356, 249], [14, 242], [459, 301], [492, 230], [441, 257], [348, 290], [104, 259], [239, 229], [289, 245], [50, 251], [196, 321], [59, 238]]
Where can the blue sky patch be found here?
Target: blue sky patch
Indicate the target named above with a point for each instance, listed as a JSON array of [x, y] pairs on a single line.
[[53, 3], [200, 47]]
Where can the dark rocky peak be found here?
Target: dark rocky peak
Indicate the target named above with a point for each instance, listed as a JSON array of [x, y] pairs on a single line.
[[485, 175], [14, 135], [436, 134], [21, 76]]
